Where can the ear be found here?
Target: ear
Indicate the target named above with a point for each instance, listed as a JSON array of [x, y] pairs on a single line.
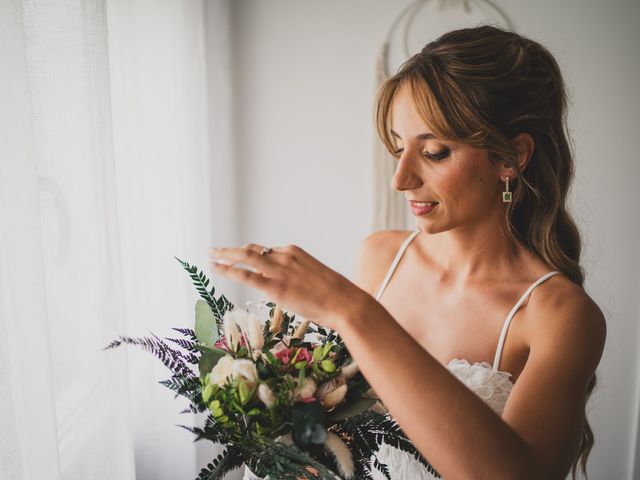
[[525, 146]]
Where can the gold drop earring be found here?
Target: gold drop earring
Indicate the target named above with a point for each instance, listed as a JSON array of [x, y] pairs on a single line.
[[507, 196]]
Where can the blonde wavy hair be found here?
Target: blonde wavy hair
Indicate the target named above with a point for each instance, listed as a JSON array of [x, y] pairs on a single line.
[[483, 86]]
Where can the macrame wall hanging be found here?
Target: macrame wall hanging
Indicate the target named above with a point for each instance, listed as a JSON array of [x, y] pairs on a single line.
[[405, 37]]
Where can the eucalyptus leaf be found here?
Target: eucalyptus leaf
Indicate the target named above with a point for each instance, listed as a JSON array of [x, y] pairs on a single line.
[[206, 349], [206, 326], [351, 409]]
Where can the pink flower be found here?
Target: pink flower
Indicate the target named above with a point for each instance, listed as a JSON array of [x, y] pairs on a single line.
[[221, 343], [283, 354], [304, 354], [282, 344]]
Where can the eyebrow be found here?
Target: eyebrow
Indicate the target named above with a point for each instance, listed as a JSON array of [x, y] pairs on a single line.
[[422, 136]]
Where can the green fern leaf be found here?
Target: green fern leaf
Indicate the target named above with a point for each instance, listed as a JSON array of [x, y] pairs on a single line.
[[201, 282], [172, 359], [230, 459]]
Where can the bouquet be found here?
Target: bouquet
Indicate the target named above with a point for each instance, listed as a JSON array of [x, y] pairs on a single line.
[[284, 397]]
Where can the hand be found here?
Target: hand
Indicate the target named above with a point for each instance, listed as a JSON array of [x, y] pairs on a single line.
[[292, 278]]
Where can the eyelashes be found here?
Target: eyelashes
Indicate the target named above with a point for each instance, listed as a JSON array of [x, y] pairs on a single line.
[[437, 156], [431, 156]]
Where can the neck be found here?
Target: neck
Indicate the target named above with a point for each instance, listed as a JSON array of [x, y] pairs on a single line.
[[478, 251]]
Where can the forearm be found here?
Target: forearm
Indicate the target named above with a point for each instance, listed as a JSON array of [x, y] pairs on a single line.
[[454, 429]]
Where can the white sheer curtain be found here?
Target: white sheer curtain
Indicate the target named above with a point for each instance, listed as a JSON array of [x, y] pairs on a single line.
[[167, 208], [63, 400], [104, 177]]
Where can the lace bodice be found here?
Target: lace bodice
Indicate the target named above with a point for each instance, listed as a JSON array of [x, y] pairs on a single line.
[[484, 379], [493, 386]]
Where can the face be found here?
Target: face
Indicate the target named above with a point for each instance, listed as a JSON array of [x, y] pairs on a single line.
[[459, 181]]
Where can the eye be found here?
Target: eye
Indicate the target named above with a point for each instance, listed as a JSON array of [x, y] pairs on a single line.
[[431, 156], [437, 156]]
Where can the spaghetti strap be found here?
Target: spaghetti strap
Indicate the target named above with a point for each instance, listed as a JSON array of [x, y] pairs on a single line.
[[395, 262], [514, 310]]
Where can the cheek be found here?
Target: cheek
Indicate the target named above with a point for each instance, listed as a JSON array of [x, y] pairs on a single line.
[[457, 182], [465, 187]]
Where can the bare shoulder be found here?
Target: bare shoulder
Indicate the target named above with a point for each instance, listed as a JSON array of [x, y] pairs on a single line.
[[375, 254], [568, 325]]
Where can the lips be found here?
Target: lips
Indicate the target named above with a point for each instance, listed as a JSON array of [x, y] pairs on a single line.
[[422, 208]]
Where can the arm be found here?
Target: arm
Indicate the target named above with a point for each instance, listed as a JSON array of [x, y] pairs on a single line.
[[541, 427]]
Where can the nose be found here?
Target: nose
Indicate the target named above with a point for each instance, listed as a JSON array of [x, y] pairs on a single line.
[[406, 177]]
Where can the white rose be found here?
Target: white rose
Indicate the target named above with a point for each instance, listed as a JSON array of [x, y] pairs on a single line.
[[222, 371], [244, 369]]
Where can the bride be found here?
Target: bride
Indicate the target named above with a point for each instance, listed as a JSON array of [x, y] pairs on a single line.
[[474, 329]]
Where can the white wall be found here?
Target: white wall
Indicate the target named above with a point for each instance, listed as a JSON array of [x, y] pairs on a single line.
[[303, 91]]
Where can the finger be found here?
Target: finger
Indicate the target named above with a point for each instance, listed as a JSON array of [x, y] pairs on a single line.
[[260, 248], [254, 247], [229, 263], [253, 279], [250, 255]]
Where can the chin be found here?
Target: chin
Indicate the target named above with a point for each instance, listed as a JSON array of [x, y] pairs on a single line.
[[431, 225], [430, 228]]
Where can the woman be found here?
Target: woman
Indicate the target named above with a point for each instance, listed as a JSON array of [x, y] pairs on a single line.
[[476, 122]]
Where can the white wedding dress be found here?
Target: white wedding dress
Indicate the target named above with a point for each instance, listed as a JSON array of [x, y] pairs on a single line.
[[489, 383]]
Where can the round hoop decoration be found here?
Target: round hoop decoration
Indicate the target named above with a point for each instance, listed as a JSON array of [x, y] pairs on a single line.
[[410, 12]]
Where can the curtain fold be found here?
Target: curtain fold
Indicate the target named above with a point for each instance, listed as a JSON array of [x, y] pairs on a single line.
[[160, 126], [104, 177], [28, 443], [65, 401]]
